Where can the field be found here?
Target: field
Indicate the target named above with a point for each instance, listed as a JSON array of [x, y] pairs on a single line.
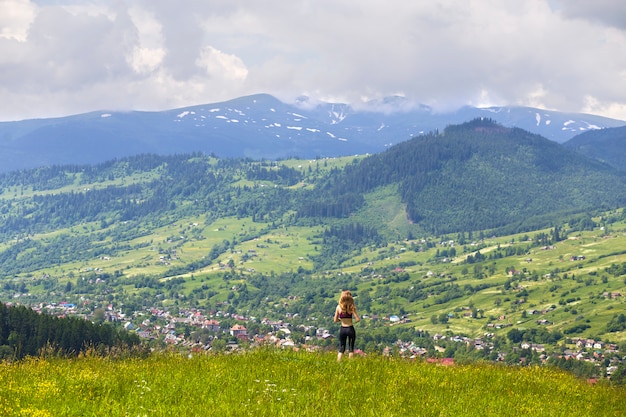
[[285, 383]]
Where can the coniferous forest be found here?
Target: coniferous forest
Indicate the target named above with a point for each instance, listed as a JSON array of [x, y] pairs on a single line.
[[24, 332]]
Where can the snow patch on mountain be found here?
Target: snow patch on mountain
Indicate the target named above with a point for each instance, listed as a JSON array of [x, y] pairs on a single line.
[[337, 114], [492, 109], [250, 126]]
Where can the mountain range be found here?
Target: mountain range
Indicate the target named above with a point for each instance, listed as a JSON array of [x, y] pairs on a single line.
[[260, 127]]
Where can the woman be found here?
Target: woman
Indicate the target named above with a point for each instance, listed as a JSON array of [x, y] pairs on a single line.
[[346, 313]]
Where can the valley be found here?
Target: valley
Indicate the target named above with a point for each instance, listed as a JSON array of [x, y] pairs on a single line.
[[208, 253]]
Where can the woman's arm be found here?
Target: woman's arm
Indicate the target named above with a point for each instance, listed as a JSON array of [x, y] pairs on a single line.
[[336, 318], [356, 316]]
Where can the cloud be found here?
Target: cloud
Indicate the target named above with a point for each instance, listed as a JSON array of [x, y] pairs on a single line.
[[68, 56], [15, 18], [603, 12], [215, 61]]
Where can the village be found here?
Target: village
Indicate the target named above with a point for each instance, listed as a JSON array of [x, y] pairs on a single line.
[[195, 330]]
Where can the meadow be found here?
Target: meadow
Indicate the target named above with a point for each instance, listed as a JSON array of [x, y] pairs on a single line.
[[266, 382]]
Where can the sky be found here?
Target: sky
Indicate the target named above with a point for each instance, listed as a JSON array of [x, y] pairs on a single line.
[[62, 57]]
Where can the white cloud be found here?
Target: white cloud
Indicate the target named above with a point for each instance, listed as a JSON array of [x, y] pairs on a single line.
[[149, 29], [146, 60], [217, 62], [609, 109], [16, 18], [69, 56]]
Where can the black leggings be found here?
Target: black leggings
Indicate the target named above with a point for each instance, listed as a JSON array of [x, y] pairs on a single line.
[[347, 334]]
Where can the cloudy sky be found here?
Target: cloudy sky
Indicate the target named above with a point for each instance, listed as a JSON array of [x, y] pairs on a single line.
[[60, 57]]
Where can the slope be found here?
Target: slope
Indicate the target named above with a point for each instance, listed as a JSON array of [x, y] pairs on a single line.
[[606, 145], [480, 175]]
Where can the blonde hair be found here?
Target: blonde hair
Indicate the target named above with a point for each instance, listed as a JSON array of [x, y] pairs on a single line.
[[346, 302]]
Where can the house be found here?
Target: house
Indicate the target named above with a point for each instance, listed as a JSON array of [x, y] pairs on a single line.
[[286, 343], [239, 331], [321, 332], [533, 346], [607, 294], [212, 325]]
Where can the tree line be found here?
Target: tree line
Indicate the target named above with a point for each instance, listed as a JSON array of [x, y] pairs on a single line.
[[24, 332]]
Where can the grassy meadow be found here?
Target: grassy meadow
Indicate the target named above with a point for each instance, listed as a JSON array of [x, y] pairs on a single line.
[[569, 292], [284, 383]]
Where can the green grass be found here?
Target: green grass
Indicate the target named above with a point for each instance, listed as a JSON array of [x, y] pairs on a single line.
[[274, 383], [28, 192]]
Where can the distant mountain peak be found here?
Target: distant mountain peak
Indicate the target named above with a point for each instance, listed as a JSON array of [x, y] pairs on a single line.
[[259, 126]]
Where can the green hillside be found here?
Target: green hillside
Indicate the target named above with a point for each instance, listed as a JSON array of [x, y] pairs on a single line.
[[606, 145], [480, 175]]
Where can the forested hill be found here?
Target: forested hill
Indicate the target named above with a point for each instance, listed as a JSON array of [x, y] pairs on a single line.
[[480, 175], [607, 145]]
